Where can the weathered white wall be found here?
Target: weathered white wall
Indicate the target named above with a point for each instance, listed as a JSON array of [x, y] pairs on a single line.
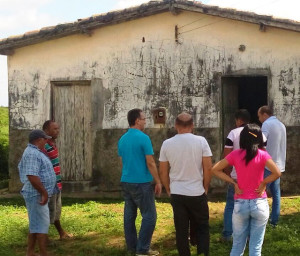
[[158, 72]]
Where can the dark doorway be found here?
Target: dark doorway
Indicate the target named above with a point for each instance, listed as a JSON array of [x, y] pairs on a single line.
[[249, 92]]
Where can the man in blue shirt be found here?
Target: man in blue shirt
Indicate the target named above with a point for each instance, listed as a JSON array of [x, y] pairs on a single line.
[[37, 175], [275, 132], [138, 170]]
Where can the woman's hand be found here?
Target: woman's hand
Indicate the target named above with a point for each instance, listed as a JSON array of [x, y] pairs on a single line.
[[237, 190], [261, 189]]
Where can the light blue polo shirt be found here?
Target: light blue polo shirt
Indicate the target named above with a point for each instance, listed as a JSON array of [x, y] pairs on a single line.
[[275, 132], [133, 147]]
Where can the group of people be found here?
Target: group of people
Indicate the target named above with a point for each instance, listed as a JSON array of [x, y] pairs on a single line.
[[258, 158], [254, 158], [39, 171], [185, 170]]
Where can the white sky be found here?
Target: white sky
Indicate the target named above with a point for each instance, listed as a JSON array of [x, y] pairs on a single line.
[[20, 16]]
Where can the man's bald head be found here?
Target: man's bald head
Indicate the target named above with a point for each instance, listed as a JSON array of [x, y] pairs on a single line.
[[184, 120], [266, 109]]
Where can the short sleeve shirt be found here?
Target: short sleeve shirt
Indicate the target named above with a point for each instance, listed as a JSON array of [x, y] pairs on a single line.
[[52, 152], [34, 162], [184, 153], [133, 147], [275, 132], [249, 176], [233, 142]]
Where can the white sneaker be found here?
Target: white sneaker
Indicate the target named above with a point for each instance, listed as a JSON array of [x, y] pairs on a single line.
[[150, 252]]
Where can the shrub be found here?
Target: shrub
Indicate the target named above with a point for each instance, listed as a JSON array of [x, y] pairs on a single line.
[[3, 143]]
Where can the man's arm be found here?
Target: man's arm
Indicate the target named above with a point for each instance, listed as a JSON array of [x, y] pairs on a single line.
[[228, 169], [207, 165], [164, 175], [265, 142], [37, 184], [153, 170], [265, 130]]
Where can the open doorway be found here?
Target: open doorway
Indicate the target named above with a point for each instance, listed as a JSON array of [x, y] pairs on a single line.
[[248, 92]]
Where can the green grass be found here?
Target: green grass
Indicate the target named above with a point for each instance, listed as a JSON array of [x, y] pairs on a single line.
[[97, 226]]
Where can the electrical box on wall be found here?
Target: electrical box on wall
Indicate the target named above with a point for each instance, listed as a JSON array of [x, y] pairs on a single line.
[[159, 115]]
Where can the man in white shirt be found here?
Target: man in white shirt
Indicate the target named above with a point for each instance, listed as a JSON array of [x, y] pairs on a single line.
[[275, 132], [242, 117], [185, 166]]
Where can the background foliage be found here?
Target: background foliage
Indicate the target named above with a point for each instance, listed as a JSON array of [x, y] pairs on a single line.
[[3, 146]]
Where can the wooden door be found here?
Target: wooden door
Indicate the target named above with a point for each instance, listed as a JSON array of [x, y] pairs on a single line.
[[72, 111]]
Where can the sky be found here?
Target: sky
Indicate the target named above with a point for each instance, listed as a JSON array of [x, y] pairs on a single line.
[[20, 16]]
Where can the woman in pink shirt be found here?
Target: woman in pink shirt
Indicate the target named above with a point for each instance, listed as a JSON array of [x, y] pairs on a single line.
[[251, 209]]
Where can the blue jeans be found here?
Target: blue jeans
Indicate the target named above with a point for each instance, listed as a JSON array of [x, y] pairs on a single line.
[[227, 230], [250, 217], [139, 195], [274, 188]]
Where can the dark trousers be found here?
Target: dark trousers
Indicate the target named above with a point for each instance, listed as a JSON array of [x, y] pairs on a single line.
[[192, 209]]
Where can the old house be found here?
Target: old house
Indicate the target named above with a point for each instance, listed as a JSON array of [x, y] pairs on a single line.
[[164, 57]]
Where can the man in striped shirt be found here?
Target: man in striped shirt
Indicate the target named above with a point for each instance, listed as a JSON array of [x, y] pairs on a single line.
[[51, 128]]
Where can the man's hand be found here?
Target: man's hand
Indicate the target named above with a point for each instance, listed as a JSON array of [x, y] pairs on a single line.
[[153, 170], [44, 198], [37, 184], [207, 166], [157, 189], [164, 175], [168, 192]]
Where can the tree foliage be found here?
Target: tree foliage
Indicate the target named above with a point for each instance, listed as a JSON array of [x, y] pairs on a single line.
[[4, 124]]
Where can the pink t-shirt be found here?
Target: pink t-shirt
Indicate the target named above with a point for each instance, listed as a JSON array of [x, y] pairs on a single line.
[[248, 177]]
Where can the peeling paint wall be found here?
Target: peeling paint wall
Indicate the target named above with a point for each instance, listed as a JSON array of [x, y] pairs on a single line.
[[176, 81], [127, 72]]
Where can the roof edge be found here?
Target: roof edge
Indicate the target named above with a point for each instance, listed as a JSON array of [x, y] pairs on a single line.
[[250, 17], [86, 25]]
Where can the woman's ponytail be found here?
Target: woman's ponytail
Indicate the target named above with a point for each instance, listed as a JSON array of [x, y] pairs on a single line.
[[251, 139]]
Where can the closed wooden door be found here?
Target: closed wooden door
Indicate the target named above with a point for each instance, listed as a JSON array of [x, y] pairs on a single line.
[[72, 111]]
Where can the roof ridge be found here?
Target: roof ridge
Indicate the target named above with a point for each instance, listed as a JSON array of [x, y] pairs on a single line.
[[86, 25]]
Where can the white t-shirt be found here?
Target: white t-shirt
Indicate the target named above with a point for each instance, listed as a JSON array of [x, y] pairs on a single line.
[[184, 153], [233, 141], [234, 137], [275, 132]]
